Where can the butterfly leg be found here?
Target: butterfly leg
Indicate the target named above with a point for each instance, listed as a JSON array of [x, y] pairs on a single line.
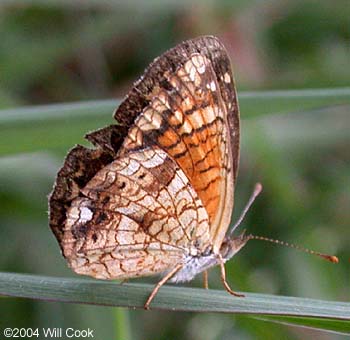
[[223, 278], [205, 279], [161, 283]]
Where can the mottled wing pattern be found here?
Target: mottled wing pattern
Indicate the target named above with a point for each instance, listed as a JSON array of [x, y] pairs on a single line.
[[159, 186], [189, 109], [137, 216]]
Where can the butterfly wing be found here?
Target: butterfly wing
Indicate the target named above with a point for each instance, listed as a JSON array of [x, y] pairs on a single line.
[[137, 216], [184, 108], [186, 104]]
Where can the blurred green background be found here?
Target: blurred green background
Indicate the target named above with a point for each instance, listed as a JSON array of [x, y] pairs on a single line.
[[63, 51]]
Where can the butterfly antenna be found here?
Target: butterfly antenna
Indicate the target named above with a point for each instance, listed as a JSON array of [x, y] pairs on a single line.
[[256, 192], [330, 258]]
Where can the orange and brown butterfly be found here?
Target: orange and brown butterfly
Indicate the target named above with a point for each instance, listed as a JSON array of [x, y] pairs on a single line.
[[155, 195]]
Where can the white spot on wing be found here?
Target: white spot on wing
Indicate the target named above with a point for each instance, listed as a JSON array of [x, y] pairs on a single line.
[[212, 86], [186, 127], [85, 215], [179, 116], [209, 114], [227, 78], [153, 162], [199, 63], [131, 168], [196, 119]]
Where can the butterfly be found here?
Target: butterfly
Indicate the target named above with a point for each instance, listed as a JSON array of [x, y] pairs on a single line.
[[155, 194]]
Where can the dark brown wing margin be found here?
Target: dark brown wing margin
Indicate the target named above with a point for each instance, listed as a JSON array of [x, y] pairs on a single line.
[[80, 165]]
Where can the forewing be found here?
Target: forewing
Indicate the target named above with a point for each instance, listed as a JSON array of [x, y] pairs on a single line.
[[186, 105]]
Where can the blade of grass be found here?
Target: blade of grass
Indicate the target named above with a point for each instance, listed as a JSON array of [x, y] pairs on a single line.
[[33, 114], [335, 314], [60, 126], [274, 102], [334, 326], [51, 127], [282, 101]]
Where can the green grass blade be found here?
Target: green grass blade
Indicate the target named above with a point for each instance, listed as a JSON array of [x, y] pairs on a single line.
[[51, 127], [282, 101], [334, 326], [64, 111], [327, 315], [60, 126]]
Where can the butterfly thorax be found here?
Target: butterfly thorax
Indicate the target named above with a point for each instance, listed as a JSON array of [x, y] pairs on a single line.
[[194, 265]]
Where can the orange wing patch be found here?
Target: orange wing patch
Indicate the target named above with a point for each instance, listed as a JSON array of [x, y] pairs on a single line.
[[188, 122]]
